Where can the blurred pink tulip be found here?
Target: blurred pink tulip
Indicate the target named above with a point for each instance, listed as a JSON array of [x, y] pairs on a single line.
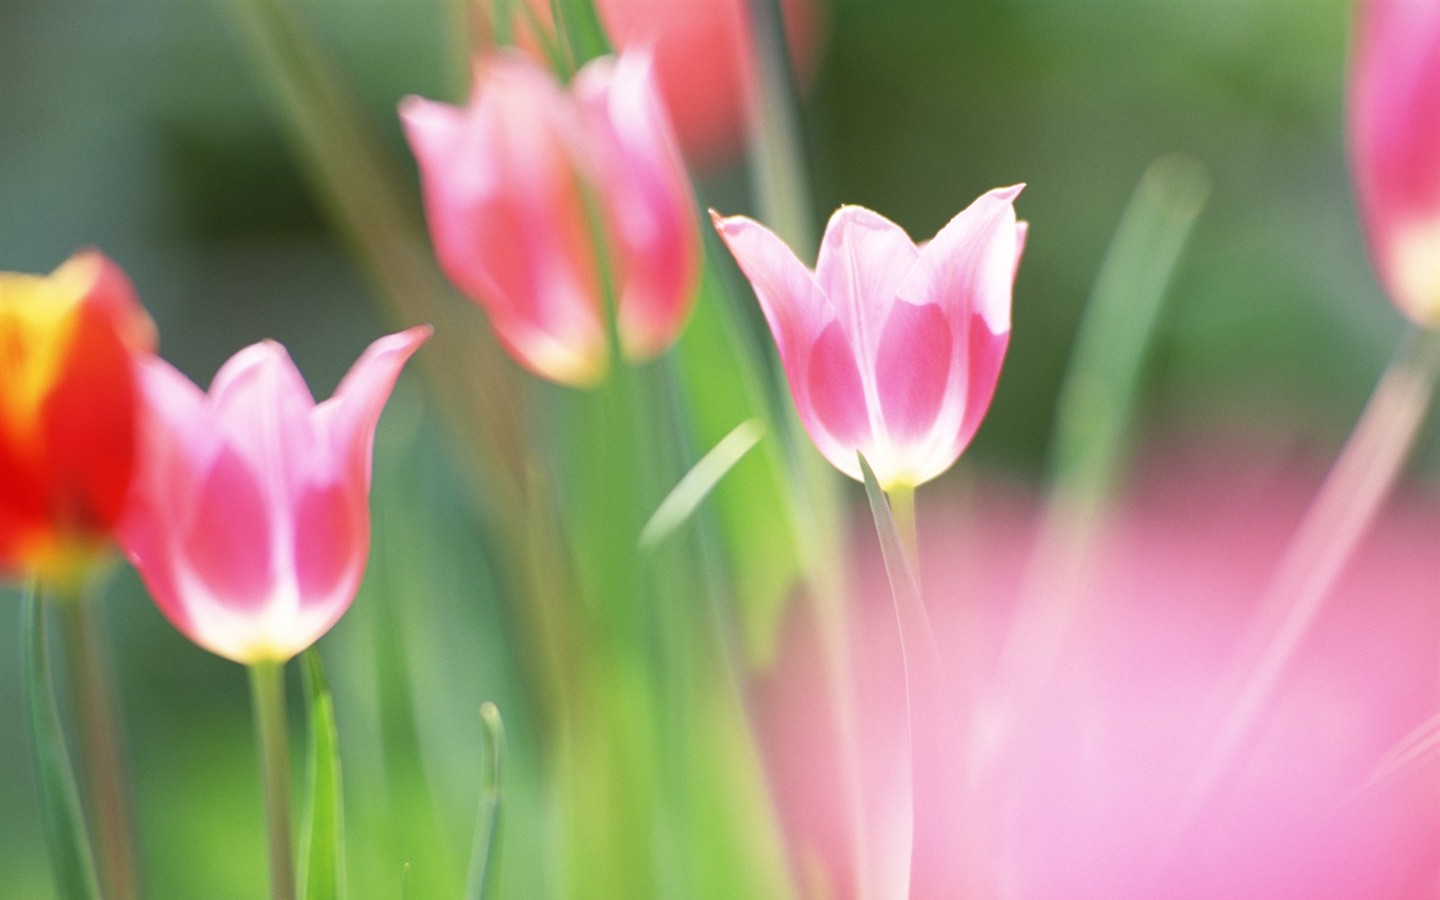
[[704, 61], [1395, 147], [250, 517], [890, 349], [506, 182], [1333, 795]]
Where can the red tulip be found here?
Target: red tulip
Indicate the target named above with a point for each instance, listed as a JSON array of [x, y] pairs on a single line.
[[1395, 147], [67, 412], [890, 349], [250, 522], [507, 181]]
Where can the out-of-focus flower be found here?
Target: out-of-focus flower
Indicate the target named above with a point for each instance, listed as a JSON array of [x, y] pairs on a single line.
[[250, 518], [890, 349], [704, 62], [1395, 147], [1331, 795], [67, 412], [507, 182]]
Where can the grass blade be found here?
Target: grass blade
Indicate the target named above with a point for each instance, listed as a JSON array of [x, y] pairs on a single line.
[[70, 856], [696, 485], [484, 872], [323, 861]]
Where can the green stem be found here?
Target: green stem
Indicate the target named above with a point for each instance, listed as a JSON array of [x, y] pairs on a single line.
[[1368, 468], [92, 692], [267, 693], [902, 507], [70, 855]]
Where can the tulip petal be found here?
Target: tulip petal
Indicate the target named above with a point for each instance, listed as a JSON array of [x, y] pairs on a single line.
[[792, 302], [863, 261], [332, 541], [263, 406], [348, 419], [913, 373], [1394, 137], [647, 199], [833, 404], [229, 538]]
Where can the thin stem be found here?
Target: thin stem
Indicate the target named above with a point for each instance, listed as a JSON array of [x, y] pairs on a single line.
[[902, 507], [70, 855], [267, 693], [92, 693], [1368, 468]]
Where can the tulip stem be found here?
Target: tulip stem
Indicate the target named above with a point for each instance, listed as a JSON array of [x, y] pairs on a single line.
[[93, 701], [1368, 467], [902, 507], [70, 855], [267, 693]]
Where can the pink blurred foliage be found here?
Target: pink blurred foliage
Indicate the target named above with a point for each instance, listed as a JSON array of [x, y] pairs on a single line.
[[1085, 793]]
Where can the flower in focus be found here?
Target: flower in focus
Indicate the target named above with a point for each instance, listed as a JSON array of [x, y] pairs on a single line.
[[890, 349], [67, 412], [250, 519], [507, 181], [1331, 795], [1395, 147], [704, 62]]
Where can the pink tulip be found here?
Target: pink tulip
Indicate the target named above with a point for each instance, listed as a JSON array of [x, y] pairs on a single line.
[[249, 519], [1395, 147], [506, 182], [1332, 794], [890, 349], [704, 61]]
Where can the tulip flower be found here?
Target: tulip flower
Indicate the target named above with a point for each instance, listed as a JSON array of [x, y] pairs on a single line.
[[1394, 131], [250, 520], [704, 61], [67, 412], [510, 183], [1331, 795], [890, 349]]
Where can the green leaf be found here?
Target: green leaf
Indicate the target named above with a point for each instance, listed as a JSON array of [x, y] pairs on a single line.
[[723, 382], [484, 869], [1097, 399], [578, 26], [70, 856], [696, 485], [323, 857]]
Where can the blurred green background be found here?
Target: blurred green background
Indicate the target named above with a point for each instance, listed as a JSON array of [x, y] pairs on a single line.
[[141, 128]]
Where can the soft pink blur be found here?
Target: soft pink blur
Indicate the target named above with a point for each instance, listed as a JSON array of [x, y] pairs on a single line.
[[889, 348], [1083, 792], [506, 182], [250, 517], [1395, 147], [704, 62]]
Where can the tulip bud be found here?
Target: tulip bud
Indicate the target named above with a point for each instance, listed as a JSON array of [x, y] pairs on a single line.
[[67, 412], [890, 349], [1394, 130], [511, 183], [250, 520]]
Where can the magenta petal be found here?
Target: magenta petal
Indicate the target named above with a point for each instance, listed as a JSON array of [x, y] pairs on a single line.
[[789, 297], [833, 405], [1394, 137], [332, 539], [647, 200], [864, 258], [348, 419], [912, 372], [987, 353], [263, 407], [227, 543]]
